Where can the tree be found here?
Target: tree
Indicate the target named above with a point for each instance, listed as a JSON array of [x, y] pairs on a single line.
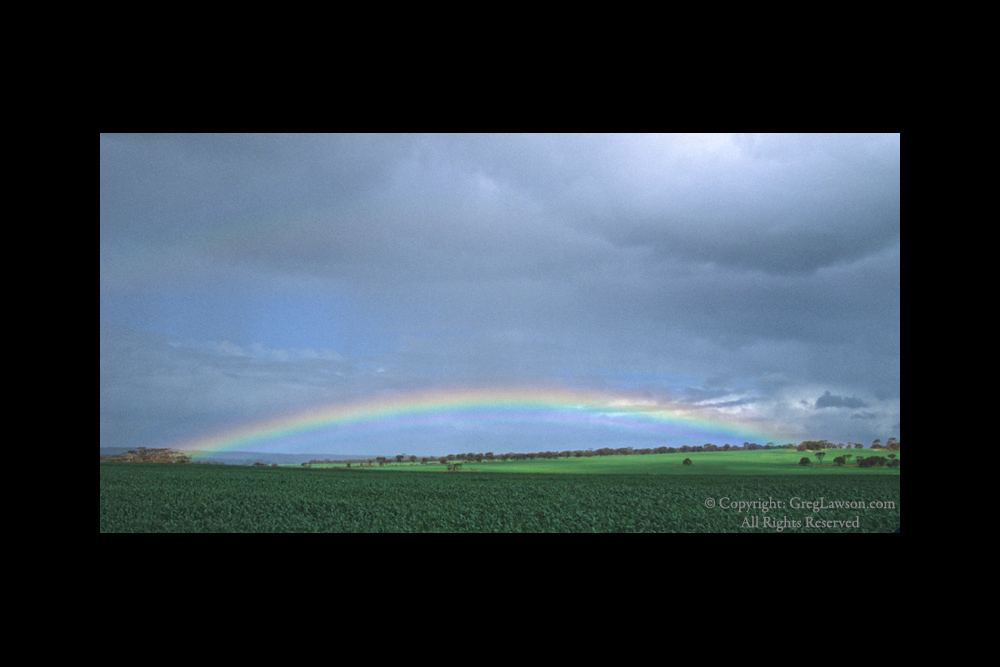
[[810, 445], [871, 461], [820, 456], [804, 461], [687, 462], [840, 460]]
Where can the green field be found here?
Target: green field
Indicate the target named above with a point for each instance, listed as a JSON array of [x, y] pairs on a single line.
[[756, 462], [721, 492]]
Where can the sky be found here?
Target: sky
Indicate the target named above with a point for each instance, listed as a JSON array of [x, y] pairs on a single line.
[[251, 277]]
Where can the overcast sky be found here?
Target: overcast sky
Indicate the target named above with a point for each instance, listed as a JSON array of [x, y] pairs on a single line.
[[248, 276]]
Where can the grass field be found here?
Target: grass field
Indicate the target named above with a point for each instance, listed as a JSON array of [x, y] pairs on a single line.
[[722, 492], [756, 462]]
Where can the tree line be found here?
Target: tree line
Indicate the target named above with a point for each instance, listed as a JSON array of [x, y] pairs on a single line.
[[892, 445], [479, 457], [872, 461], [151, 455]]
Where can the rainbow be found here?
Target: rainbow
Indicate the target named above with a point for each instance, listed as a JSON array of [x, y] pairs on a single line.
[[480, 407]]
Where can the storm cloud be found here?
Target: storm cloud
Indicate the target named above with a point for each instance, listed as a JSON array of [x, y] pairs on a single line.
[[247, 275]]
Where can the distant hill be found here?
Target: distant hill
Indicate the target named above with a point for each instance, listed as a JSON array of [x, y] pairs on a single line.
[[249, 458]]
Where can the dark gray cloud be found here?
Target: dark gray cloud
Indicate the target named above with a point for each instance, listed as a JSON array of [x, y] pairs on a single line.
[[746, 271], [828, 400]]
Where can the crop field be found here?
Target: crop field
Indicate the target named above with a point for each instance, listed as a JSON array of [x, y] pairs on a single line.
[[210, 498]]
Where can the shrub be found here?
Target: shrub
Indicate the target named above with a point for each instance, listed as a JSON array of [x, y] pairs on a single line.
[[804, 461], [687, 462]]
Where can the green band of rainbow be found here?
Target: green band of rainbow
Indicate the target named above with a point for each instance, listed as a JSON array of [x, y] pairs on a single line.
[[480, 406]]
